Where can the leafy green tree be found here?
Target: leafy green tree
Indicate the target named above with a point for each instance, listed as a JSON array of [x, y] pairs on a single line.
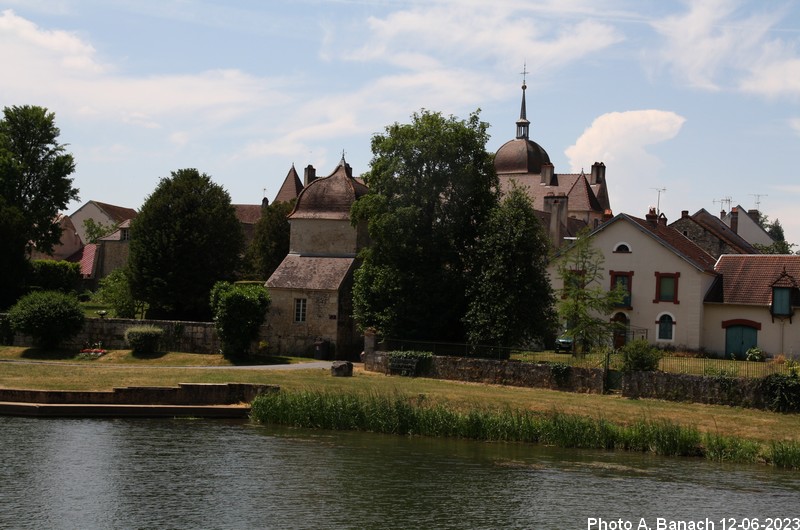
[[510, 298], [239, 311], [35, 185], [271, 241], [50, 275], [775, 231], [185, 238], [432, 185], [585, 304], [115, 290], [95, 230]]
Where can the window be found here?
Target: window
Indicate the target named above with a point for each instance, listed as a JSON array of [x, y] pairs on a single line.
[[665, 324], [622, 248], [624, 280], [782, 301], [667, 287], [300, 309]]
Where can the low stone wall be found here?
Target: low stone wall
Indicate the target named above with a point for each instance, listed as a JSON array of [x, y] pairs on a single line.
[[511, 373], [184, 394], [736, 392], [194, 337]]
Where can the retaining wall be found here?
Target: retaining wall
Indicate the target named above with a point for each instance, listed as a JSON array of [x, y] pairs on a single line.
[[736, 392]]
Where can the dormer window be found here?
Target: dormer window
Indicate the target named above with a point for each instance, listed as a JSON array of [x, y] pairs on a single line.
[[781, 301]]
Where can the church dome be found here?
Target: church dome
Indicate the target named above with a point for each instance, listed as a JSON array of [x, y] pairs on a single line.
[[330, 197], [520, 155]]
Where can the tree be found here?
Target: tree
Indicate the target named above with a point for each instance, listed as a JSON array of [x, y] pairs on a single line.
[[115, 291], [775, 231], [95, 230], [510, 298], [50, 317], [35, 185], [432, 185], [271, 240], [185, 239], [585, 304], [239, 311]]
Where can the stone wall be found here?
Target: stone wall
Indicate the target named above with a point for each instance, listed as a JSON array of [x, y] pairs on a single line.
[[194, 337], [511, 373], [737, 392], [184, 394]]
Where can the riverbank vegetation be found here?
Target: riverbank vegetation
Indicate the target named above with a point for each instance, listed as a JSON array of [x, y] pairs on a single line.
[[405, 415]]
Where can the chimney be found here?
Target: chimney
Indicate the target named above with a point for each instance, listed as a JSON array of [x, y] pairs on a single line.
[[652, 217], [684, 214], [264, 203], [755, 215], [735, 220], [598, 173], [607, 215], [662, 219], [309, 175], [557, 207], [548, 175], [722, 214]]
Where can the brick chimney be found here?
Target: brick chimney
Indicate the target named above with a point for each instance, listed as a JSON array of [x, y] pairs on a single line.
[[684, 214], [662, 219], [735, 220], [755, 215], [652, 217], [558, 208], [598, 173], [309, 175], [548, 175]]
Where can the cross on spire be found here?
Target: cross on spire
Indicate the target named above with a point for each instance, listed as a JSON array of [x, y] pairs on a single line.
[[524, 73]]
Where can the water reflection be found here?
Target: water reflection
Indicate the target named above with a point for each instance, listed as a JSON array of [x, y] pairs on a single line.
[[216, 474]]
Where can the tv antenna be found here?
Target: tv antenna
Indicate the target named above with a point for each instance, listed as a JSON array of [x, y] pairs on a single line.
[[758, 199], [725, 200], [658, 202]]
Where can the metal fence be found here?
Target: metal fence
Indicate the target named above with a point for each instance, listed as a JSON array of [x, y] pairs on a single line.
[[607, 360]]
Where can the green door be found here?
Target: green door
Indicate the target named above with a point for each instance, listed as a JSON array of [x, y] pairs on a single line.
[[739, 339]]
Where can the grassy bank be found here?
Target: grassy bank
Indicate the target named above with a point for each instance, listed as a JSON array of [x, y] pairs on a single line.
[[405, 415]]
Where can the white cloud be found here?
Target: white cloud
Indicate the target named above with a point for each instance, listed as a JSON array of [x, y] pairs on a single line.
[[620, 140], [794, 123]]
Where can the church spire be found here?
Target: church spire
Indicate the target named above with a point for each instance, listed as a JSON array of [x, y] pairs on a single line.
[[522, 122]]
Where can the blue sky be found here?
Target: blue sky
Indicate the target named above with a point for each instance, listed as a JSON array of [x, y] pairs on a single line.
[[699, 98]]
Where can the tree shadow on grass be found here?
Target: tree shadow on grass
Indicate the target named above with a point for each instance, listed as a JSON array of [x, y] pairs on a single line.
[[42, 354], [259, 360], [145, 356]]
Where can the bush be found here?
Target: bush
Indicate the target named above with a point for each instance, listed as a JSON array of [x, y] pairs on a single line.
[[115, 291], [640, 356], [238, 311], [49, 275], [782, 392], [409, 362], [50, 317], [756, 354], [143, 340]]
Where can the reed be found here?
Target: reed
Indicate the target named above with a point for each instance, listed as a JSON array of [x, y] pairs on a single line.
[[401, 414]]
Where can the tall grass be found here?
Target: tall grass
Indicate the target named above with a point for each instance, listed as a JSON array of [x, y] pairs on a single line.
[[407, 415]]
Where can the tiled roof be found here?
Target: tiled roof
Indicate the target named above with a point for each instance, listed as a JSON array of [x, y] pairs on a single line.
[[330, 197], [574, 185], [116, 213], [248, 213], [716, 226], [679, 243], [291, 187], [117, 234], [310, 273], [87, 260], [748, 279]]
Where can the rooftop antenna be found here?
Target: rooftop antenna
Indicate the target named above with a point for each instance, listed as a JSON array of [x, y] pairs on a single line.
[[265, 191], [725, 200], [658, 202], [758, 199]]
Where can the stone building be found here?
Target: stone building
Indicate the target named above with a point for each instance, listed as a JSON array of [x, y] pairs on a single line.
[[311, 289], [711, 234]]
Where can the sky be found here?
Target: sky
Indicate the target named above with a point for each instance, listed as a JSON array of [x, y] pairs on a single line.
[[690, 105]]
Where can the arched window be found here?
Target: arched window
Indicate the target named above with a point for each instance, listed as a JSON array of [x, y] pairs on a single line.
[[622, 248], [665, 327]]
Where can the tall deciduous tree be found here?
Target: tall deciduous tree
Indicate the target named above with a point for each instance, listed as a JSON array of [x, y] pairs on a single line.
[[585, 304], [35, 185], [271, 241], [432, 185], [510, 298], [185, 239]]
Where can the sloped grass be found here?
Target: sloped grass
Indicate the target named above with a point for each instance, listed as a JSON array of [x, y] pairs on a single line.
[[394, 413]]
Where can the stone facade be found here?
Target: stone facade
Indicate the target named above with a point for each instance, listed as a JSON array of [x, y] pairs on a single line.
[[703, 238], [736, 392]]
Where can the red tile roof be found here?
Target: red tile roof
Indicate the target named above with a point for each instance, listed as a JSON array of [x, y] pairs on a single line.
[[87, 260], [116, 213], [291, 187], [680, 244], [748, 279]]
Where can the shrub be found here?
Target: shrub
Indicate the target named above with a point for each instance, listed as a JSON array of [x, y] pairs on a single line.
[[756, 354], [115, 291], [782, 392], [143, 339], [50, 317], [6, 333], [409, 362], [238, 311], [639, 356], [49, 275]]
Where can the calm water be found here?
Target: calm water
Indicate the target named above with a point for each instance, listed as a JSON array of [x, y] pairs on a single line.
[[89, 473]]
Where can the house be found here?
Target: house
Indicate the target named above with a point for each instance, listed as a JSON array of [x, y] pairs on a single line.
[[311, 289], [746, 224], [712, 234], [101, 213], [68, 246], [665, 274], [752, 303], [575, 199]]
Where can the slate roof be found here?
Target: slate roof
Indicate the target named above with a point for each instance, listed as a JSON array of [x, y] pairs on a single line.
[[582, 196], [713, 224], [310, 273], [330, 197], [748, 279], [291, 187]]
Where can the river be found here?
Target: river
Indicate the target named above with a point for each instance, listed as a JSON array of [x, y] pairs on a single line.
[[103, 473]]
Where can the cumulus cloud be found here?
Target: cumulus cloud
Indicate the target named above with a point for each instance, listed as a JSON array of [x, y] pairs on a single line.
[[620, 140]]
